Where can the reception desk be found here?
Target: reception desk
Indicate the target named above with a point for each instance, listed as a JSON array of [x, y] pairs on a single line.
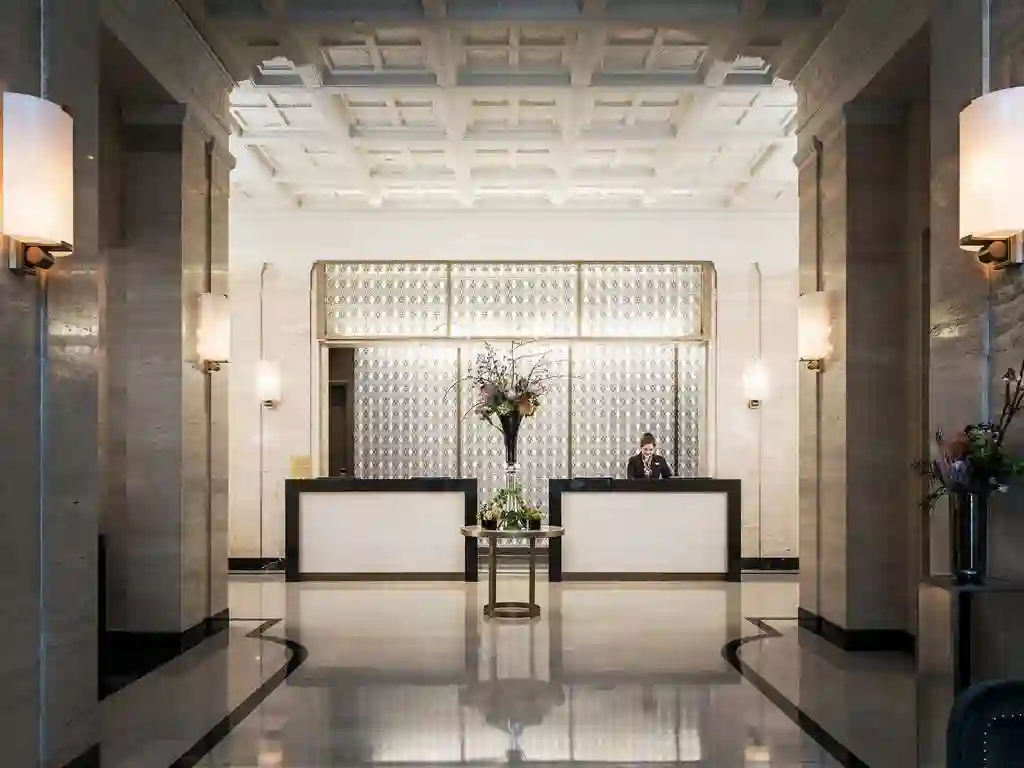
[[643, 530], [349, 529]]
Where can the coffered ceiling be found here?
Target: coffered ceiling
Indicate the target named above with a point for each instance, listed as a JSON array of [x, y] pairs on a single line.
[[534, 103]]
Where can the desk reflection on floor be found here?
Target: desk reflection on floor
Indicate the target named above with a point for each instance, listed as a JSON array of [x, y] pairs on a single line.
[[412, 675]]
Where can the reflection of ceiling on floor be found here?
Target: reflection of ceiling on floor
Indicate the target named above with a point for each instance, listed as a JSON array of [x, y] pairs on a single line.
[[645, 103]]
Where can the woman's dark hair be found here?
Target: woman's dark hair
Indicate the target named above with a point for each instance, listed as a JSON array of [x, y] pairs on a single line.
[[647, 439]]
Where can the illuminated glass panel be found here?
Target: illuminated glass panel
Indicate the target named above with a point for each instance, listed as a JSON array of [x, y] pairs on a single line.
[[620, 391], [641, 300], [404, 425], [514, 300], [386, 300]]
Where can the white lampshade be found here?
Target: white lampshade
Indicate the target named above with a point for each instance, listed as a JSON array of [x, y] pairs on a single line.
[[213, 336], [992, 165], [755, 381], [814, 326], [268, 382], [37, 202]]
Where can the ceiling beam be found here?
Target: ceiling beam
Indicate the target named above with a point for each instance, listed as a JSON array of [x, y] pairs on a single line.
[[255, 168], [438, 137], [721, 54], [339, 128], [529, 12], [219, 41]]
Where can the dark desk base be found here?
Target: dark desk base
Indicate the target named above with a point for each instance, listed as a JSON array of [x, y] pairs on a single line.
[[634, 576]]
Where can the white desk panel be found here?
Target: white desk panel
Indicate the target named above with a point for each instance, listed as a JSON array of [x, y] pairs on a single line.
[[382, 532], [635, 532]]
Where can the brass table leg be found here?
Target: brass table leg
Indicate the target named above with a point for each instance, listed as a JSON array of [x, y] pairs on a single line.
[[510, 609], [492, 573], [533, 573]]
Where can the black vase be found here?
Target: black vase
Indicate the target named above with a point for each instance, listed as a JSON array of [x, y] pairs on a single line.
[[510, 431], [489, 525], [533, 525], [969, 536]]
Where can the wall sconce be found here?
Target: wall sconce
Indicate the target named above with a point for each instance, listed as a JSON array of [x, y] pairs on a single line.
[[268, 384], [814, 330], [991, 169], [755, 384], [213, 335], [38, 182]]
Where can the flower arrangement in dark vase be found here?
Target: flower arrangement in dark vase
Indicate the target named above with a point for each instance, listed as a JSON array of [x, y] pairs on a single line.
[[508, 389], [969, 467]]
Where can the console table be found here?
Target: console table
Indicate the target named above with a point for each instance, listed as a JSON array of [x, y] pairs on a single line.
[[511, 609]]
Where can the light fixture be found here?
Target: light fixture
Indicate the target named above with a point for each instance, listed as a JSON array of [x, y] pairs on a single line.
[[268, 384], [991, 173], [755, 383], [37, 187], [213, 335], [814, 329]]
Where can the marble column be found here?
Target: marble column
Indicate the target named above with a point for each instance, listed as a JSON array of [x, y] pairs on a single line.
[[855, 461], [50, 365], [167, 536]]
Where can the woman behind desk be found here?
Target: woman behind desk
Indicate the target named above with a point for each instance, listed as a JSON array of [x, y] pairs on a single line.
[[647, 465]]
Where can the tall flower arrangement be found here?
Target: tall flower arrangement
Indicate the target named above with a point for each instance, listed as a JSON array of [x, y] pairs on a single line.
[[507, 389], [975, 461]]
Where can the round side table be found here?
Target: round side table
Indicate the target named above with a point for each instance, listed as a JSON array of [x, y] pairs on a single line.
[[511, 609]]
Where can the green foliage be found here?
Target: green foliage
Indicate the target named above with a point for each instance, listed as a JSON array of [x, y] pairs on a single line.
[[508, 506]]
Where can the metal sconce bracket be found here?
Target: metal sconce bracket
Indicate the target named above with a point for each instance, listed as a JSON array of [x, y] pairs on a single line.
[[270, 404], [209, 366], [996, 253], [817, 366], [753, 404], [26, 260]]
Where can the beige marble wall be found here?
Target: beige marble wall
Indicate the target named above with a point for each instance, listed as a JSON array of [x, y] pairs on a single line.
[[52, 352], [860, 418], [55, 415], [167, 542], [873, 553]]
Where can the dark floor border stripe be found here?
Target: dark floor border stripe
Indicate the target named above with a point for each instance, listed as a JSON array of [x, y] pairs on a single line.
[[91, 758], [807, 724], [234, 718], [859, 640], [770, 563], [246, 564]]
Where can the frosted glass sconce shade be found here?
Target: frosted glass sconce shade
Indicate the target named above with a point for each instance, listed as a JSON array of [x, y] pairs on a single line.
[[213, 336], [268, 383], [814, 329], [755, 383], [992, 165], [37, 200]]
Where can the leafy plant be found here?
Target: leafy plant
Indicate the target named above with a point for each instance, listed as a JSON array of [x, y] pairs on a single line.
[[976, 460], [508, 506]]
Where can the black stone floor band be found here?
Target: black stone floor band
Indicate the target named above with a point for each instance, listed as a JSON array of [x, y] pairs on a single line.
[[810, 726]]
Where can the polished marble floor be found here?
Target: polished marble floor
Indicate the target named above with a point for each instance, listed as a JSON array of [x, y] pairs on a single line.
[[324, 675]]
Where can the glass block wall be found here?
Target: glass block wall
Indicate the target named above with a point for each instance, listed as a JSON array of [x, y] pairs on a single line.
[[404, 424], [621, 391], [522, 300], [631, 339], [386, 300]]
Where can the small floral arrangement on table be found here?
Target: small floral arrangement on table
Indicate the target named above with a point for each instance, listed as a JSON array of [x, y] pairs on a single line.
[[509, 510], [975, 461]]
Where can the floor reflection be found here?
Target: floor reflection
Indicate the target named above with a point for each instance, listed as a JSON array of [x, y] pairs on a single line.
[[609, 675]]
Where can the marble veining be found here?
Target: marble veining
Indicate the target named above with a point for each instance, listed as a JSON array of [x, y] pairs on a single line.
[[411, 675]]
